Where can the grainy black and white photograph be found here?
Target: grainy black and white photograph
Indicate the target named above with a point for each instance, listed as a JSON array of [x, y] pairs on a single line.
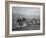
[[25, 18]]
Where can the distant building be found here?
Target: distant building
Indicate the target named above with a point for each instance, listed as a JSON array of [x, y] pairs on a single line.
[[38, 22], [34, 21]]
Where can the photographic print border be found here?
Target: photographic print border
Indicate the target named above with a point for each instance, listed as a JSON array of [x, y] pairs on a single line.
[[7, 14], [26, 31]]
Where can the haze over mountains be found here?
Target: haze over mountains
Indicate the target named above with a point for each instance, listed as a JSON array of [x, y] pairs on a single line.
[[20, 16]]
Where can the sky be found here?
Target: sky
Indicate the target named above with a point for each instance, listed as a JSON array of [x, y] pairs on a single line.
[[28, 11]]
